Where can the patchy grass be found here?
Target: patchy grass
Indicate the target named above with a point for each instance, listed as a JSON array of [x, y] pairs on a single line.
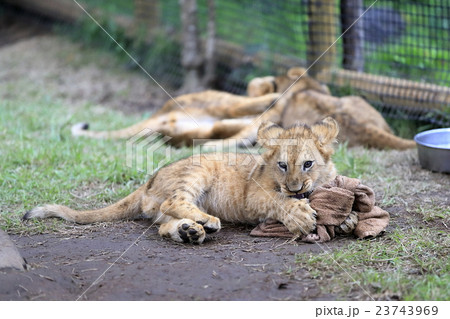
[[411, 261], [352, 164], [433, 211], [406, 265], [41, 162]]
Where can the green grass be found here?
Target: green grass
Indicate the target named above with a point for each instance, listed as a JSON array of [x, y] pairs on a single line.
[[434, 211], [41, 163], [353, 164], [412, 265]]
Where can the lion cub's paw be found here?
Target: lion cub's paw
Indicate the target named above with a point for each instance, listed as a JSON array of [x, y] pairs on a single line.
[[190, 232], [311, 238], [301, 218], [211, 225]]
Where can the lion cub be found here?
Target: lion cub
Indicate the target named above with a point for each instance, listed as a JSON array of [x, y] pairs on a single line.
[[189, 198]]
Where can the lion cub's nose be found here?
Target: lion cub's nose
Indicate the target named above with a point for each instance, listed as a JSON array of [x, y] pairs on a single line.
[[295, 188]]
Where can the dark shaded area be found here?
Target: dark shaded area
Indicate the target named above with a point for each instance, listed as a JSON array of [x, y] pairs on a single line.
[[17, 24]]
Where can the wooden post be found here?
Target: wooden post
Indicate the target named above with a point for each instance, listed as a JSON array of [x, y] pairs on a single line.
[[353, 37], [146, 13], [191, 57], [210, 46], [322, 22]]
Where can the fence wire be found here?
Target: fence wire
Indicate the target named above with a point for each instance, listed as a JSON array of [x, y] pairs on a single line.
[[397, 55], [406, 39]]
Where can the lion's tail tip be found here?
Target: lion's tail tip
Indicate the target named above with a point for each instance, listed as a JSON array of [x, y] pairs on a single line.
[[79, 127]]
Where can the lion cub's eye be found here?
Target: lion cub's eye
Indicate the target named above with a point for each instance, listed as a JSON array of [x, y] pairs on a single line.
[[307, 164], [282, 166]]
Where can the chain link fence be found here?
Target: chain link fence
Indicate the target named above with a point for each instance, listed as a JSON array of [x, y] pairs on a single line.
[[395, 53]]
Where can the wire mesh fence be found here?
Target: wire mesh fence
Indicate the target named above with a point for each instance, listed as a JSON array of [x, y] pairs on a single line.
[[395, 53]]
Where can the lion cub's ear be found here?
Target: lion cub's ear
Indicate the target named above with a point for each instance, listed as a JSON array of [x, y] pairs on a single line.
[[261, 86], [327, 130], [268, 131], [294, 73]]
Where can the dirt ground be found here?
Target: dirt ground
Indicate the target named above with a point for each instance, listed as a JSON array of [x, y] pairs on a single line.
[[229, 266], [128, 260]]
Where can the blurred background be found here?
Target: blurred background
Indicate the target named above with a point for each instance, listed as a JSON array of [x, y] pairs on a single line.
[[395, 54]]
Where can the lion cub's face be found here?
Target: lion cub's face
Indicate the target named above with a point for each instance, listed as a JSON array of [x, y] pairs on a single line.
[[299, 157]]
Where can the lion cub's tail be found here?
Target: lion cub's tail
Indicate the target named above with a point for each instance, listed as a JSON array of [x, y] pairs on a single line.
[[382, 139], [128, 207], [82, 129]]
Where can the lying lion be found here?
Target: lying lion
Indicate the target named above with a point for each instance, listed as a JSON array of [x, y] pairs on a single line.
[[189, 198], [285, 100]]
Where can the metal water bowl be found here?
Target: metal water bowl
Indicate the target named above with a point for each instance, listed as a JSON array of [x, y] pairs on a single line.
[[434, 149]]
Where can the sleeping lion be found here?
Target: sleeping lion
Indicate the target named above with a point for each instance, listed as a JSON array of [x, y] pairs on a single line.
[[284, 100]]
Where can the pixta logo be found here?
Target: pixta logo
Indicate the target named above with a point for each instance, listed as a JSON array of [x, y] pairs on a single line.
[[147, 151]]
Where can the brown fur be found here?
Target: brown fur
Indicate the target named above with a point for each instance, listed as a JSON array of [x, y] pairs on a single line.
[[189, 198], [221, 115]]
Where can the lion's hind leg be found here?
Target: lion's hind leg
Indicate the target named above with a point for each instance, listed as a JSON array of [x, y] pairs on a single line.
[[175, 202], [178, 229]]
